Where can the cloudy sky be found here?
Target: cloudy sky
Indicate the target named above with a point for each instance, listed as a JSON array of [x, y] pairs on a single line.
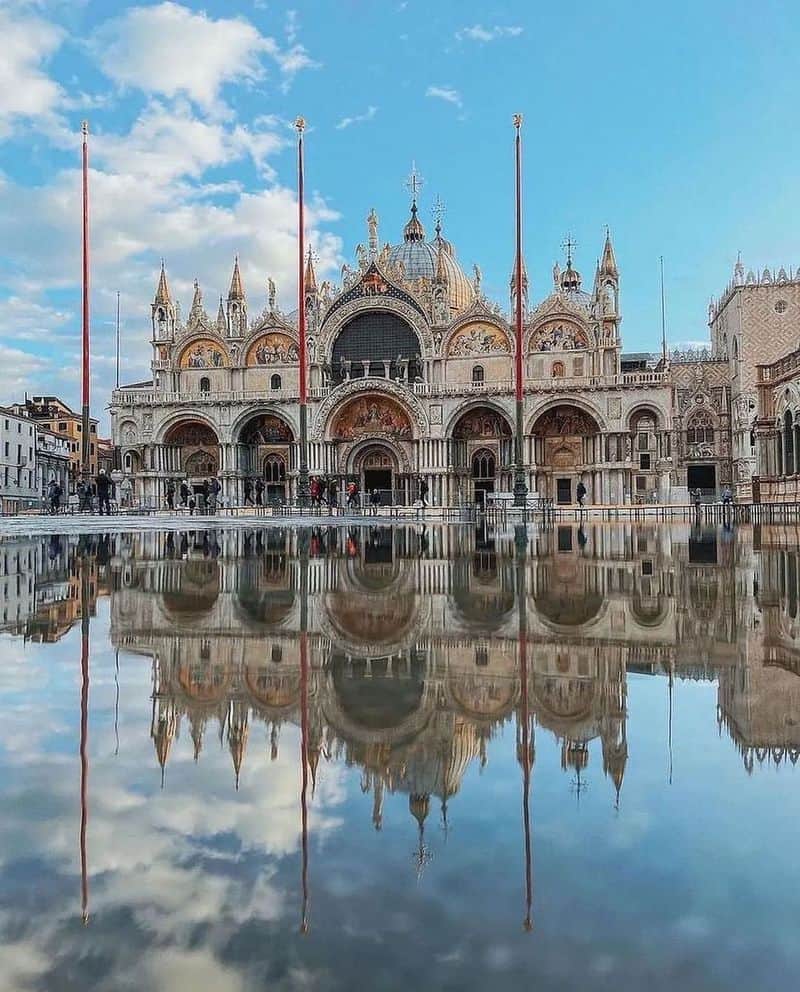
[[674, 127]]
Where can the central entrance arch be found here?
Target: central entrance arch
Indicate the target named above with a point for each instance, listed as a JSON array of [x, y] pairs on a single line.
[[264, 455], [376, 467], [566, 450]]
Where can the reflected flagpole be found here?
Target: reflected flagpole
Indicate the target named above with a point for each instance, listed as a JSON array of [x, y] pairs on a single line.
[[303, 548], [84, 737], [525, 743]]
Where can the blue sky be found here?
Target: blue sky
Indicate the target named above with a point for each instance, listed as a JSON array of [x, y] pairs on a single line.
[[674, 124]]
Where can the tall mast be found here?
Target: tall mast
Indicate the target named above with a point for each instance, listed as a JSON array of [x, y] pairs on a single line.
[[520, 487], [302, 482], [85, 424]]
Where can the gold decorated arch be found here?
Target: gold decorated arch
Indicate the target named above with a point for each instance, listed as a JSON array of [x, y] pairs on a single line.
[[204, 353], [367, 416], [272, 349], [478, 340]]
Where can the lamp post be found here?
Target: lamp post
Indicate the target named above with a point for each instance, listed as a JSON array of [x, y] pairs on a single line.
[[302, 481], [520, 487]]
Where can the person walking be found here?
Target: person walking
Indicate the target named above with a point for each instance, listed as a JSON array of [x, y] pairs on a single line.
[[374, 499], [213, 494], [54, 496], [259, 492], [248, 492], [103, 484], [352, 495], [727, 496], [170, 495], [184, 491], [202, 497], [580, 492], [333, 495], [423, 491], [314, 492]]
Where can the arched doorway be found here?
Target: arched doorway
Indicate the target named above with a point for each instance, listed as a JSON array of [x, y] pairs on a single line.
[[373, 434], [264, 455], [567, 448], [193, 450], [480, 447], [377, 468]]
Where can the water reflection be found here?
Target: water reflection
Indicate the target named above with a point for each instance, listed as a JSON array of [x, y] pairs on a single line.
[[403, 654]]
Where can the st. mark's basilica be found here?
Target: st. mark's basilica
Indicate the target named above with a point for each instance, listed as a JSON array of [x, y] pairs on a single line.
[[411, 378]]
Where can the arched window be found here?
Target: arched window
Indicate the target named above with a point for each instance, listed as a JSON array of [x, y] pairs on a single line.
[[205, 384], [274, 469], [788, 431], [558, 370], [477, 373], [483, 465], [275, 382], [700, 429]]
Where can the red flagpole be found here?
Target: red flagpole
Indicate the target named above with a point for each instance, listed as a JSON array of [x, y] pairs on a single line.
[[302, 482], [520, 486], [85, 426]]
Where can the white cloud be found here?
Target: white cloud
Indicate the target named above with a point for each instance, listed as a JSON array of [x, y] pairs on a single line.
[[21, 369], [170, 50], [479, 33], [292, 26], [26, 91], [446, 93], [368, 114]]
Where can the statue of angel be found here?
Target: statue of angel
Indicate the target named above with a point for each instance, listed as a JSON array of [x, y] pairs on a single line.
[[271, 294], [361, 256], [477, 281]]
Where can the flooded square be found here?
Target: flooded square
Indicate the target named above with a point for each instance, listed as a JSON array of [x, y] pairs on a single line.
[[393, 758]]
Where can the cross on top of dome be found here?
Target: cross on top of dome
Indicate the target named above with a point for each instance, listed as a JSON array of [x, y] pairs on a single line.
[[414, 183]]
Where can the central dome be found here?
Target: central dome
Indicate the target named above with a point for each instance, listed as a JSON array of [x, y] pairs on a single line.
[[421, 259]]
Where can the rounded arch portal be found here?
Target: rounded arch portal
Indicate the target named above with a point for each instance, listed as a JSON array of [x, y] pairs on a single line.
[[567, 445], [193, 448]]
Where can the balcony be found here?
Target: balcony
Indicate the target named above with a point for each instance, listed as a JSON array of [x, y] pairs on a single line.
[[784, 368], [150, 397]]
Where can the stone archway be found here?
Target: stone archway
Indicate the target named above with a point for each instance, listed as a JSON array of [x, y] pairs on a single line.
[[264, 457], [567, 447], [192, 448], [481, 452]]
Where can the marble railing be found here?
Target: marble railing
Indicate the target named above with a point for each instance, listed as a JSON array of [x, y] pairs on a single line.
[[778, 370], [150, 397]]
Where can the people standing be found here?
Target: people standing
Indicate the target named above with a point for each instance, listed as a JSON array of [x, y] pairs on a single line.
[[352, 495], [170, 495], [333, 495], [314, 491], [259, 492], [214, 490], [54, 496], [103, 483], [423, 491], [374, 500], [248, 492], [580, 493], [202, 497], [184, 491]]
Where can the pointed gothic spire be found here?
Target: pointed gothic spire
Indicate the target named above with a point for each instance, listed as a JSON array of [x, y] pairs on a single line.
[[608, 265], [236, 292], [310, 276], [441, 269], [738, 271], [222, 324], [162, 292]]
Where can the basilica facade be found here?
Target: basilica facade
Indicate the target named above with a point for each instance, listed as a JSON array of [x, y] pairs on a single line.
[[411, 377]]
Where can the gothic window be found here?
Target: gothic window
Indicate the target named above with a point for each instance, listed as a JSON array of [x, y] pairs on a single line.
[[275, 382], [275, 469], [558, 370], [483, 465], [477, 373], [700, 429], [205, 384]]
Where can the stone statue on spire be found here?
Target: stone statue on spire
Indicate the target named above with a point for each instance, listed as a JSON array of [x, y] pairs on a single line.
[[477, 281], [271, 294], [372, 228]]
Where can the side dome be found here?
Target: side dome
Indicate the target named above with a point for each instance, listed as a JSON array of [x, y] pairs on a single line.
[[421, 259]]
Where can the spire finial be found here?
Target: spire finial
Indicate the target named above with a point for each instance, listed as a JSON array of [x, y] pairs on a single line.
[[414, 184], [569, 246], [438, 210], [236, 292]]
